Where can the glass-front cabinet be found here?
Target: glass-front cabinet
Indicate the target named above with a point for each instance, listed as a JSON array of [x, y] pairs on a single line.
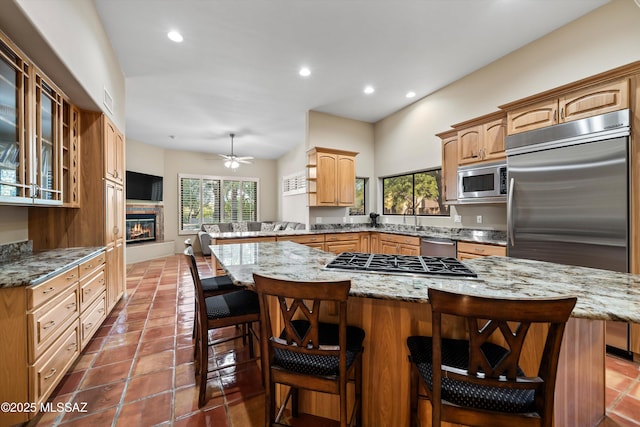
[[46, 173], [14, 107], [31, 131]]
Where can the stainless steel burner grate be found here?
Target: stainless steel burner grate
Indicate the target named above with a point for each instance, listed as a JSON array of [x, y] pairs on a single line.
[[400, 264]]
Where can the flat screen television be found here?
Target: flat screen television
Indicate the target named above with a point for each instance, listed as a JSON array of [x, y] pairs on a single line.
[[141, 186]]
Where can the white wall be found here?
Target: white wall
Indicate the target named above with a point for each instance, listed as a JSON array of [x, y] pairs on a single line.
[[177, 162], [604, 39], [144, 158]]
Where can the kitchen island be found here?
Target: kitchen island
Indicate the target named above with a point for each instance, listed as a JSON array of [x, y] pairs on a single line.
[[392, 307]]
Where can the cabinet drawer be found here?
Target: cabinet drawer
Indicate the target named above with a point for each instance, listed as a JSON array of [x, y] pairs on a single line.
[[341, 237], [481, 249], [403, 240], [46, 373], [45, 291], [91, 264], [47, 322], [316, 238], [92, 318], [91, 287]]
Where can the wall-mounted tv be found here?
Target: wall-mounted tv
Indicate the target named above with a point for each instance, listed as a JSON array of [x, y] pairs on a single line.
[[141, 186]]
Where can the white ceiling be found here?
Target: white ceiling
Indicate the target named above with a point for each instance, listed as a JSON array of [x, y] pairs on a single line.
[[237, 68]]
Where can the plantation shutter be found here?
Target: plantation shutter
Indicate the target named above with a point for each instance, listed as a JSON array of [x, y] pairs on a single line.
[[190, 206]]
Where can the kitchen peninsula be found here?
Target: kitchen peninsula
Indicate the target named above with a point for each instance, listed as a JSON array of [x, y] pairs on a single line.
[[391, 307]]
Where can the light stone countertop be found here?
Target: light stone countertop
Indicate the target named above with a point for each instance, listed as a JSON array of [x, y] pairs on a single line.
[[34, 268], [602, 294], [495, 237]]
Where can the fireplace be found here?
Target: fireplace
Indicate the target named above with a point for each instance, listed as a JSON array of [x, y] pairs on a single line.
[[140, 228]]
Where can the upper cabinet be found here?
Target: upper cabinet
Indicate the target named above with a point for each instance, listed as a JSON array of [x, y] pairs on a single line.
[[114, 152], [34, 168], [481, 139], [449, 164], [331, 176], [573, 105]]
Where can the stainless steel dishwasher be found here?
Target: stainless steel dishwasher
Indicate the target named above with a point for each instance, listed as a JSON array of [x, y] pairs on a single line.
[[435, 246]]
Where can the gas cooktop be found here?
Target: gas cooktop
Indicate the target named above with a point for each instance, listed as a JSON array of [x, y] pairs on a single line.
[[400, 264]]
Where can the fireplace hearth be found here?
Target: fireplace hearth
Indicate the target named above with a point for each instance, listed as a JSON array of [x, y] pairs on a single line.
[[140, 228]]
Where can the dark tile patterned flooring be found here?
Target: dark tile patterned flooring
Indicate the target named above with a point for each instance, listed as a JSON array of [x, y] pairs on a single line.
[[138, 369]]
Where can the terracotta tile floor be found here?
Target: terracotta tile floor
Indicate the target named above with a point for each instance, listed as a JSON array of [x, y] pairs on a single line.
[[138, 369]]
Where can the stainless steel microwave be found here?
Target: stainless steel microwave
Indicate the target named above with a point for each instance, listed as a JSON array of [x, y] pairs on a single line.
[[483, 183]]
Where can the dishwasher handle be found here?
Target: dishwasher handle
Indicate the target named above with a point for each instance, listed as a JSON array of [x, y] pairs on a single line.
[[440, 242]]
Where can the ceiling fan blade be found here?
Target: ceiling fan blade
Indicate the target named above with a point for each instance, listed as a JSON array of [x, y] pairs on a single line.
[[243, 161], [225, 157], [244, 158]]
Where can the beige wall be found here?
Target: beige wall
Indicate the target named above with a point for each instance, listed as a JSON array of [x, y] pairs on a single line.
[[328, 131], [177, 162], [144, 158], [602, 40], [13, 224]]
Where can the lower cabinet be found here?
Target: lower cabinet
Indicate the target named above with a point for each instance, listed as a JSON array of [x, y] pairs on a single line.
[[313, 240], [43, 329], [342, 242], [396, 244], [468, 250]]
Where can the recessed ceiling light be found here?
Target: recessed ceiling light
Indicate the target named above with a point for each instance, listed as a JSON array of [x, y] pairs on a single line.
[[304, 72], [369, 90], [410, 94], [175, 36]]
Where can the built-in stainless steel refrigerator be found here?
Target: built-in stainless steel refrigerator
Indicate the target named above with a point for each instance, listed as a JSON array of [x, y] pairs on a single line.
[[568, 197]]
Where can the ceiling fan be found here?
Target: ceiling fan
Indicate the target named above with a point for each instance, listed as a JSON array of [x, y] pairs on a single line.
[[231, 160]]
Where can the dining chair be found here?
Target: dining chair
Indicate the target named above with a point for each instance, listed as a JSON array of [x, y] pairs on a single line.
[[478, 381], [307, 353], [238, 308]]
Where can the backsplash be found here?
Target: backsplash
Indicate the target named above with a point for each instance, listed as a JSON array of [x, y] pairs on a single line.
[[11, 251]]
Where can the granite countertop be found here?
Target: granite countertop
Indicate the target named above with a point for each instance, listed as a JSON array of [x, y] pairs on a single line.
[[34, 268], [495, 237], [602, 294]]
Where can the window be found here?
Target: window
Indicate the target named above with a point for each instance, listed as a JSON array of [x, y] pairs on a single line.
[[420, 190], [210, 199], [360, 205]]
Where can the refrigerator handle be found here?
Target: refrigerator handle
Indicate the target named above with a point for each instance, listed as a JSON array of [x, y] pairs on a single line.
[[510, 212]]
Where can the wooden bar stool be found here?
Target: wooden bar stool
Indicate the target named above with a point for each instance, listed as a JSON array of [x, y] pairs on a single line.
[[475, 382], [307, 353], [229, 309]]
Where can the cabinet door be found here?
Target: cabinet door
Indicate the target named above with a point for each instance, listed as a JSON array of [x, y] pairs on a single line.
[[46, 171], [469, 145], [110, 223], [531, 117], [365, 242], [342, 246], [408, 250], [494, 134], [14, 121], [327, 173], [71, 156], [113, 146], [593, 101], [374, 245], [450, 168], [346, 185], [387, 247]]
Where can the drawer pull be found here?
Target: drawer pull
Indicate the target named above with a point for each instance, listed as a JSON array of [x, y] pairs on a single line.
[[479, 250], [49, 325], [71, 346], [101, 310], [88, 325], [51, 289], [88, 266], [101, 280], [88, 291], [52, 373], [70, 306], [71, 277]]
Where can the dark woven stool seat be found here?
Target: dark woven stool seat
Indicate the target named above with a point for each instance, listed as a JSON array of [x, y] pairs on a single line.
[[217, 284], [238, 303], [455, 353], [320, 365]]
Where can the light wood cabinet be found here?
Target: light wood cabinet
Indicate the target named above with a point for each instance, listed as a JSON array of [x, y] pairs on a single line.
[[449, 164], [114, 152], [374, 244], [31, 132], [481, 139], [313, 240], [365, 241], [71, 156], [396, 244], [342, 242], [470, 250], [574, 105], [332, 176], [43, 328], [100, 219]]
